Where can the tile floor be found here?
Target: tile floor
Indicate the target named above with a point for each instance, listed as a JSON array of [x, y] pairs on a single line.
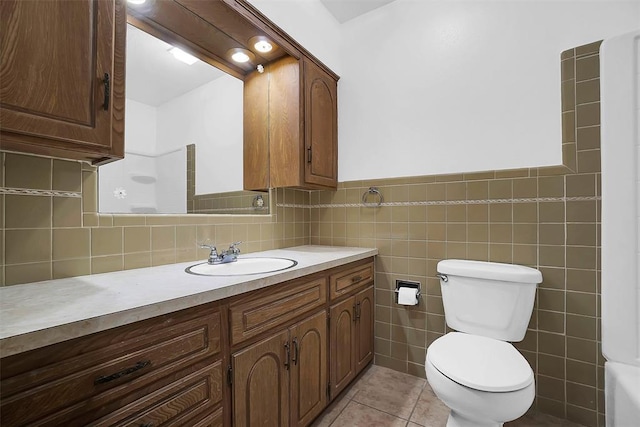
[[386, 398]]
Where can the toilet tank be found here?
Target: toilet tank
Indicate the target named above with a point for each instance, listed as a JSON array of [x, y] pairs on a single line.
[[487, 298]]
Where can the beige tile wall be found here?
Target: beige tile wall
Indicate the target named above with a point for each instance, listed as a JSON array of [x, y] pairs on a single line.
[[547, 218], [54, 231]]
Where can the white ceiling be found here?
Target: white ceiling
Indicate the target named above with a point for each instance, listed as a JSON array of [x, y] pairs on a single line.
[[345, 10], [154, 76]]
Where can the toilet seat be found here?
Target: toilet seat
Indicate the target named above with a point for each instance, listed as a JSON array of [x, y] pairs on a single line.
[[480, 363]]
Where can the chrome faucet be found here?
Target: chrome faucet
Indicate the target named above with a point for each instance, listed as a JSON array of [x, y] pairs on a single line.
[[230, 255]]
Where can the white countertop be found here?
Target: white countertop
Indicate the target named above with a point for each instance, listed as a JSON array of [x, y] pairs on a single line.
[[38, 314]]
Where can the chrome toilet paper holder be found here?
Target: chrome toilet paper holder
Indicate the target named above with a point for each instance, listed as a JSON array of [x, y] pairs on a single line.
[[407, 284]]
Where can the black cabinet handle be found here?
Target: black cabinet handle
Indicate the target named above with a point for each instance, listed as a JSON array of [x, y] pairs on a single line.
[[124, 372], [107, 91], [287, 357], [356, 279], [295, 351], [358, 310]]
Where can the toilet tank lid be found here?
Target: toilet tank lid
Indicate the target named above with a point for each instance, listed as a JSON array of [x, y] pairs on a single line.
[[490, 270]]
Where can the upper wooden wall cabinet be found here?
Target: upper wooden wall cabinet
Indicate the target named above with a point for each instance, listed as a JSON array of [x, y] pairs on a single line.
[[62, 78], [293, 142]]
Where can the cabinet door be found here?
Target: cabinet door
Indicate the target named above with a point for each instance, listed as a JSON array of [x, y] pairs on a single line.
[[342, 345], [61, 61], [364, 316], [309, 369], [261, 383], [321, 126]]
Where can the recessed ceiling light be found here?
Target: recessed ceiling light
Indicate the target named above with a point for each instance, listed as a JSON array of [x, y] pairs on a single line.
[[240, 55], [136, 2], [261, 44], [183, 56]]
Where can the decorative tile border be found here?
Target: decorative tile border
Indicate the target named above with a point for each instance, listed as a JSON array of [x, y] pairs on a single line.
[[31, 192], [443, 202]]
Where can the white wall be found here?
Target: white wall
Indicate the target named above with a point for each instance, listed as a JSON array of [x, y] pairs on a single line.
[[451, 86], [140, 132], [211, 118], [140, 138], [310, 24], [172, 173]]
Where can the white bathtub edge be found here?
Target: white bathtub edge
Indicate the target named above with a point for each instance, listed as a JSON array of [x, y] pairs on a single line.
[[622, 394]]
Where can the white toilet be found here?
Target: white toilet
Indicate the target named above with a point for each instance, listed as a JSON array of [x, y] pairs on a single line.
[[480, 376]]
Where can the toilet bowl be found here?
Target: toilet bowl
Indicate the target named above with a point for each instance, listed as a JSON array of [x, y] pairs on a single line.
[[476, 371], [485, 382]]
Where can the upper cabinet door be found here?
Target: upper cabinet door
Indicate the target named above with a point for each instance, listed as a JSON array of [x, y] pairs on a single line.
[[62, 77], [321, 126]]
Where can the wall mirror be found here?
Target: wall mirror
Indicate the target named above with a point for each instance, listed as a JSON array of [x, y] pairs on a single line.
[[183, 137], [184, 117]]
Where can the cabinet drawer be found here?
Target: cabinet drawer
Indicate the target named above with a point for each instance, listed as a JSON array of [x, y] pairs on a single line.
[[177, 403], [212, 420], [269, 308], [65, 380], [343, 282]]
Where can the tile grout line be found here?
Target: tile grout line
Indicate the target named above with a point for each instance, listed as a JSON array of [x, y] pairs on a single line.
[[424, 385]]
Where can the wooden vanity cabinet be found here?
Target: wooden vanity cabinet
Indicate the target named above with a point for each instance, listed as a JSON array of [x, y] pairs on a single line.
[[314, 346], [273, 357], [351, 330], [62, 79], [280, 380], [293, 142], [168, 369]]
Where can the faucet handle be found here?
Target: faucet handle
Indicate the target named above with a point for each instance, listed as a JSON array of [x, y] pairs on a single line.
[[233, 248], [207, 246], [213, 255]]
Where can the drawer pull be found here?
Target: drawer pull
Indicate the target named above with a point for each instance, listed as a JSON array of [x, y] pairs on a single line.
[[137, 367], [358, 310], [355, 279]]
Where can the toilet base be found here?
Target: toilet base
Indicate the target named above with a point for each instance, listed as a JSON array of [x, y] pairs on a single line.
[[458, 420]]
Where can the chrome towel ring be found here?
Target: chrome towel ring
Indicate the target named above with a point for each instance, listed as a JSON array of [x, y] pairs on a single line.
[[375, 192]]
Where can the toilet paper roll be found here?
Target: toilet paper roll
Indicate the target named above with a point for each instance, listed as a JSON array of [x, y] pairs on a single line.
[[408, 296]]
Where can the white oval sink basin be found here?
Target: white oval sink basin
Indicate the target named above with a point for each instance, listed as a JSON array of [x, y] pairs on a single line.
[[243, 266]]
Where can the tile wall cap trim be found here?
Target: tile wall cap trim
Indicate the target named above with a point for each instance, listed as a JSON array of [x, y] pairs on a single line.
[[31, 192], [249, 208], [446, 202]]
